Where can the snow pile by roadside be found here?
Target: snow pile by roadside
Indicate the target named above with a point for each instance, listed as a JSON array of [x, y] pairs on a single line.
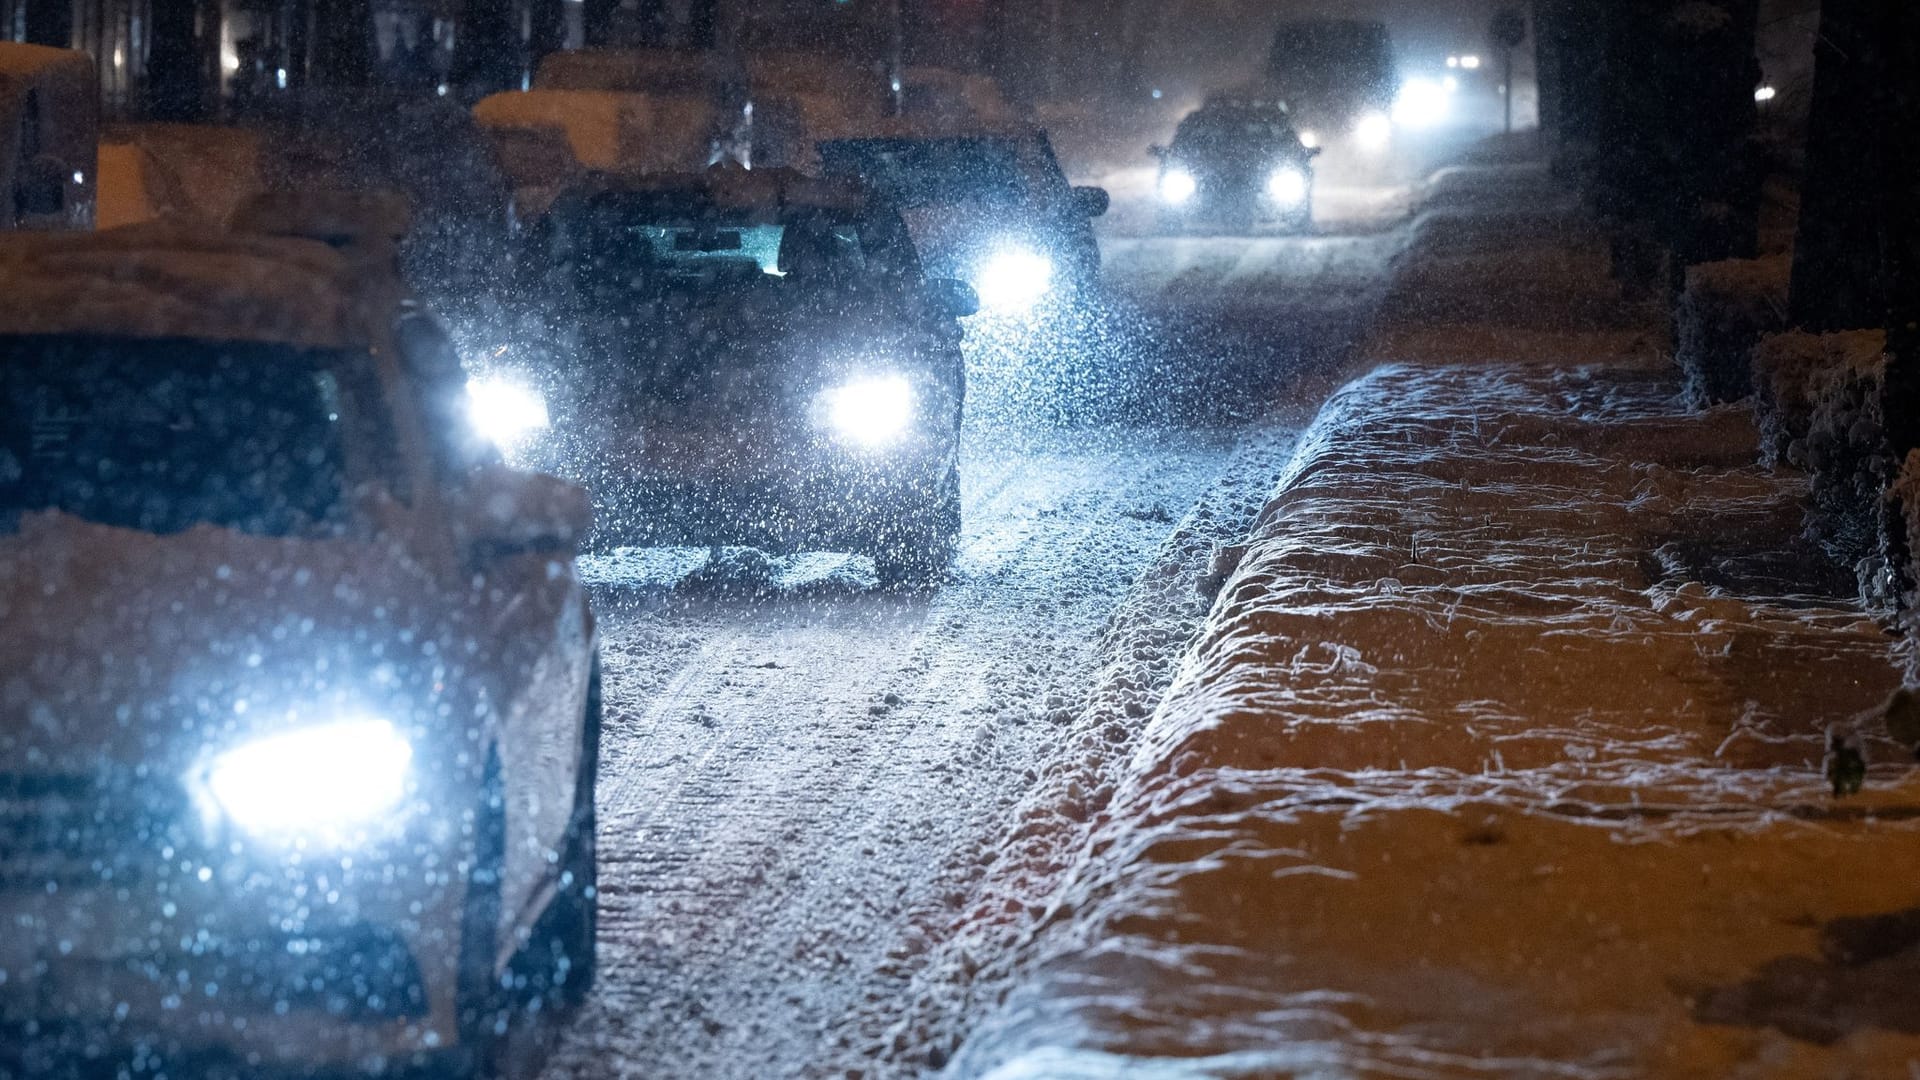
[[1724, 310], [1499, 756], [1505, 268], [1818, 409]]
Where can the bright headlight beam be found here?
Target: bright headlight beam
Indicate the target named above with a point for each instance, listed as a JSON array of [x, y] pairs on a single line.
[[1310, 139], [1177, 186], [1374, 131], [1014, 279], [321, 783], [1287, 187], [1423, 103], [505, 411], [870, 412]]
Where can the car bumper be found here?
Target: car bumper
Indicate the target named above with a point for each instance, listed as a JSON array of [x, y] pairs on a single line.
[[711, 489], [1228, 202], [837, 506], [251, 965]]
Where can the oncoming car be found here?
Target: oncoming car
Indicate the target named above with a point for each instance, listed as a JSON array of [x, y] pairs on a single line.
[[760, 362], [987, 205], [300, 696], [1339, 78], [1236, 161]]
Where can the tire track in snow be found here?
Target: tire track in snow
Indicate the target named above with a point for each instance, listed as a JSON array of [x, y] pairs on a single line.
[[753, 884]]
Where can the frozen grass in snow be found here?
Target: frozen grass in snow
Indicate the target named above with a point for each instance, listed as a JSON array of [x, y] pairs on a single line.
[[1498, 756]]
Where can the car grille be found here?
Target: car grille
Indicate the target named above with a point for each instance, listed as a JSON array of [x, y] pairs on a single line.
[[69, 830]]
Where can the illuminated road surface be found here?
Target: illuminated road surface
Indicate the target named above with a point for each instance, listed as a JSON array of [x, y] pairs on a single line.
[[803, 777]]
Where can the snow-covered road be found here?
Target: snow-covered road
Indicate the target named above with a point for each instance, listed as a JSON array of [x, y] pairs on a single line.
[[804, 780]]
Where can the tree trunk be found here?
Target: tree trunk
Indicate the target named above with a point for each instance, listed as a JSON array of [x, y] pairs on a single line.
[[1901, 243], [486, 52], [549, 29], [174, 93], [299, 44], [1838, 269], [703, 19], [343, 44], [50, 22], [597, 18]]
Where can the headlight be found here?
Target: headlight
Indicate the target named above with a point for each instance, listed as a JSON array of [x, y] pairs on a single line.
[[1177, 186], [1374, 131], [329, 783], [1287, 187], [1310, 139], [869, 412], [1423, 103], [505, 411], [1014, 279]]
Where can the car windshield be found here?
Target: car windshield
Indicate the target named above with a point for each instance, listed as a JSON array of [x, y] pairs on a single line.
[[916, 172], [652, 248], [1213, 132], [163, 435]]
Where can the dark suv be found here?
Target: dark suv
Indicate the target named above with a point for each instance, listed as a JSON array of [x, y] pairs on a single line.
[[1234, 162], [988, 205], [1338, 79], [760, 361]]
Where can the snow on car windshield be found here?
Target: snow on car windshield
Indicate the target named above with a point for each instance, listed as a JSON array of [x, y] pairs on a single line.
[[161, 436], [915, 172]]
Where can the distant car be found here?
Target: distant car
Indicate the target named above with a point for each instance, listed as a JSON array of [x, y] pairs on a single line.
[[1338, 78], [989, 206], [761, 362], [1236, 161], [301, 719]]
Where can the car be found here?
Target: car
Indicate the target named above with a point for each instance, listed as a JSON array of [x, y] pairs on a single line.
[[1339, 79], [1236, 160], [988, 204], [301, 709], [760, 362]]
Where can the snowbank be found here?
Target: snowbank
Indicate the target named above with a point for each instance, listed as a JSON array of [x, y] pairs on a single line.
[[1505, 269], [1794, 372], [1818, 407], [1724, 310], [1499, 756]]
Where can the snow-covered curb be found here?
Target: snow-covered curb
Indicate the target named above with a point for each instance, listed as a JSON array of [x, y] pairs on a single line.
[[1723, 312], [1499, 756]]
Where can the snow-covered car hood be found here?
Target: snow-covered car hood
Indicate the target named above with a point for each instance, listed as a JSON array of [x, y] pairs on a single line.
[[131, 648]]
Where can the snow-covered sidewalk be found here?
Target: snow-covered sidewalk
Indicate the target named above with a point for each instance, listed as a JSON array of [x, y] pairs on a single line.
[[1500, 754]]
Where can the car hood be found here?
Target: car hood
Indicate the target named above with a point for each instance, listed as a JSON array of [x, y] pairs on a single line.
[[131, 648]]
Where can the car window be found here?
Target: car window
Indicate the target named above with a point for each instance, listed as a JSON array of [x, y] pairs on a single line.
[[163, 435], [919, 172], [630, 246]]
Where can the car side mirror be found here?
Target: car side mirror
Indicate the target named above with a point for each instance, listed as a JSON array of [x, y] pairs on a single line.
[[1092, 201], [1314, 151], [953, 297], [505, 511]]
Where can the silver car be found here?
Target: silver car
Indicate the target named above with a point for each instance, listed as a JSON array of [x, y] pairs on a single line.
[[298, 710]]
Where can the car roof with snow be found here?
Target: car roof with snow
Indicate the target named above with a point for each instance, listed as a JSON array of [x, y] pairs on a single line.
[[165, 281], [939, 127], [733, 188]]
